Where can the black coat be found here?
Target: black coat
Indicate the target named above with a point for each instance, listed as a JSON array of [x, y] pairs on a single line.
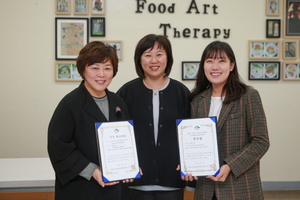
[[72, 144]]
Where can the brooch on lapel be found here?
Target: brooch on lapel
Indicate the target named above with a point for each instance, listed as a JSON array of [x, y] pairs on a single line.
[[118, 111]]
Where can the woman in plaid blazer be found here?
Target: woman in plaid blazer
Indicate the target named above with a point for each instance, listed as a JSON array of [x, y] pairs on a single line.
[[242, 128]]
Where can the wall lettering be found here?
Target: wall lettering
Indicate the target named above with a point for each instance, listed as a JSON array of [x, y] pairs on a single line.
[[193, 8]]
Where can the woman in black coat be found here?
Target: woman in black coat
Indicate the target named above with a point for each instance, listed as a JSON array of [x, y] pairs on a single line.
[[72, 145]]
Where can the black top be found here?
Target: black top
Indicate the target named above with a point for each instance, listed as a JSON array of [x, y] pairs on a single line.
[[159, 162]]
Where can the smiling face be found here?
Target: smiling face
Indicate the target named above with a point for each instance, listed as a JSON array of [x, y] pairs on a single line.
[[154, 62], [97, 78], [217, 69]]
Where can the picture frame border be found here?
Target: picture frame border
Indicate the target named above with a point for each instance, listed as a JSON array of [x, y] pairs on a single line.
[[272, 14], [109, 42], [63, 13], [264, 62], [81, 13], [56, 63], [96, 13], [279, 28], [284, 64], [296, 50], [91, 26], [285, 35], [264, 41], [59, 20], [183, 76]]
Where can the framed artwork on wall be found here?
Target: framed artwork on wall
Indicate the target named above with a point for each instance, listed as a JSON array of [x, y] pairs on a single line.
[[264, 49], [290, 49], [98, 26], [81, 7], [291, 71], [71, 35], [118, 45], [62, 7], [264, 70], [291, 19], [190, 70], [66, 71], [272, 7], [97, 7], [273, 27]]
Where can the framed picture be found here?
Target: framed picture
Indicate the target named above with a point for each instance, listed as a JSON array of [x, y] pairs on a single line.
[[98, 26], [62, 7], [81, 7], [273, 27], [66, 71], [190, 70], [290, 49], [264, 49], [264, 70], [71, 35], [272, 8], [291, 71], [118, 45], [291, 19], [98, 7]]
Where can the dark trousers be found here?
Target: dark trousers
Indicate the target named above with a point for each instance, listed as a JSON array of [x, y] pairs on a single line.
[[156, 195]]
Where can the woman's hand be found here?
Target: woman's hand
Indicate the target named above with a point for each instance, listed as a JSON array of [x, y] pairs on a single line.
[[131, 180], [224, 171], [97, 175], [187, 177], [128, 180]]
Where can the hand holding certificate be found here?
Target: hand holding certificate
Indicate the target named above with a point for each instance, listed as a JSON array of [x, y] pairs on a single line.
[[117, 151], [198, 146]]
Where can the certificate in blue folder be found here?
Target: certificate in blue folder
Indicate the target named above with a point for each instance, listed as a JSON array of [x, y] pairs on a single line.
[[198, 146], [117, 151]]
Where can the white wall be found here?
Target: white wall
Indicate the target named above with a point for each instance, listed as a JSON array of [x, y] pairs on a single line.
[[29, 93]]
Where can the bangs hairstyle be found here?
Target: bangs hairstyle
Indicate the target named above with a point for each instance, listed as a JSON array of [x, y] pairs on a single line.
[[234, 87], [148, 42], [96, 53], [216, 53]]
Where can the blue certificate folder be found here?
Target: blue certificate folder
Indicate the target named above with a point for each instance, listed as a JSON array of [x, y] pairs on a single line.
[[117, 150], [198, 146]]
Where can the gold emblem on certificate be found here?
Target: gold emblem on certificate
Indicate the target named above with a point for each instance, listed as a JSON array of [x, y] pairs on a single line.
[[117, 151], [198, 146]]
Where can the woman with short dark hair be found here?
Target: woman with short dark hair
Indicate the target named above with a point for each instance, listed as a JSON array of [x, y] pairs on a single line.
[[154, 102], [72, 145]]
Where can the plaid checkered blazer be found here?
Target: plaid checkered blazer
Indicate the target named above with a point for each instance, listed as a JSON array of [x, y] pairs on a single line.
[[243, 140]]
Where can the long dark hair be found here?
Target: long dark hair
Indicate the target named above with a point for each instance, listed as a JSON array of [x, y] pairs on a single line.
[[234, 87]]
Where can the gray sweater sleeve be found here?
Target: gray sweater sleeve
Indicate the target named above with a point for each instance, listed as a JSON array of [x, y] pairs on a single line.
[[87, 173]]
